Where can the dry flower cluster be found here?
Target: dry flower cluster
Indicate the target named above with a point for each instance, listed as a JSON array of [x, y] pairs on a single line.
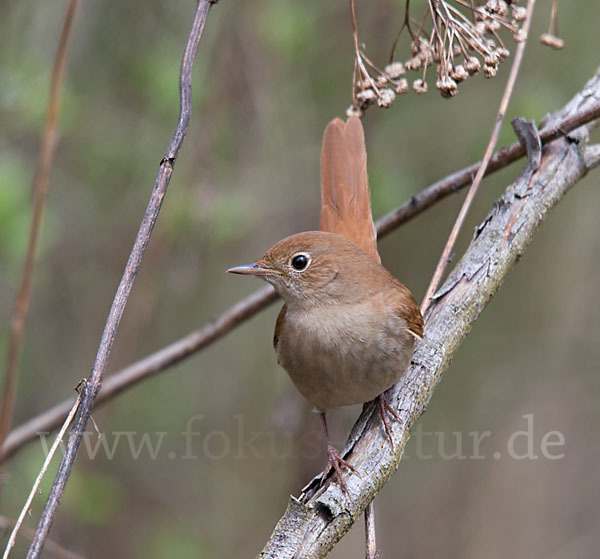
[[457, 37]]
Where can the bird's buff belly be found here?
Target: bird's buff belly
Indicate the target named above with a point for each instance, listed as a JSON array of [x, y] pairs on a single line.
[[341, 368]]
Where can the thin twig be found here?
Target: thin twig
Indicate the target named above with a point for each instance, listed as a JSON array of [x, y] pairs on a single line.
[[553, 26], [362, 71], [92, 387], [40, 187], [510, 84], [246, 308], [405, 23], [370, 535], [27, 505]]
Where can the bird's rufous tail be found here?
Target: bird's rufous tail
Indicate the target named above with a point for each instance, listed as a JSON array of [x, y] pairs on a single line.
[[345, 196]]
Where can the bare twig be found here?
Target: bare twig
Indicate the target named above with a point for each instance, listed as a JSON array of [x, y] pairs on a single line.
[[27, 505], [246, 308], [504, 157], [92, 387], [405, 23], [363, 74], [553, 26], [508, 90], [40, 187], [370, 534]]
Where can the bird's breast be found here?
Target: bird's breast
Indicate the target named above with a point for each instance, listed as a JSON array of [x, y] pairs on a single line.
[[340, 355]]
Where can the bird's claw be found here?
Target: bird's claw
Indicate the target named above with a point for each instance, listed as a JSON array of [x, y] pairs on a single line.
[[383, 407], [335, 462]]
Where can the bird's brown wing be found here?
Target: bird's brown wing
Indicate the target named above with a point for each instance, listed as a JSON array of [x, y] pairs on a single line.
[[345, 197], [406, 306], [278, 323]]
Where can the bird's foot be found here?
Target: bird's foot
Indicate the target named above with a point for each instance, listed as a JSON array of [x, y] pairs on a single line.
[[383, 407], [335, 462]]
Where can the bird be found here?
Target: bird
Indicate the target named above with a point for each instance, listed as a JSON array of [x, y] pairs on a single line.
[[347, 329]]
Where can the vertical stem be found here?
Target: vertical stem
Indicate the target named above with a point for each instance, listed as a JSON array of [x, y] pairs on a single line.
[[370, 537], [94, 381], [40, 187], [510, 84]]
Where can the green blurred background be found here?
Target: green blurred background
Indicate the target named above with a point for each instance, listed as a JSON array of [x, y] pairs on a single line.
[[270, 74]]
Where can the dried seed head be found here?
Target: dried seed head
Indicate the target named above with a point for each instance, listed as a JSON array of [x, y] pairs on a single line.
[[472, 42], [490, 71], [414, 63], [401, 86], [395, 70], [366, 96], [458, 73], [447, 86], [386, 98], [420, 86], [419, 46], [472, 65], [519, 36], [381, 81], [492, 25], [423, 50], [519, 13], [552, 41], [492, 6], [503, 53], [353, 111], [480, 14], [427, 55], [492, 59]]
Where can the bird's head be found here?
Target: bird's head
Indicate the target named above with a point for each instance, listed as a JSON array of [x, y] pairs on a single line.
[[314, 267]]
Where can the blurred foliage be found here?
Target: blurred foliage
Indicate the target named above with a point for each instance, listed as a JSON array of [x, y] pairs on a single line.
[[171, 541], [269, 76], [94, 498], [14, 212]]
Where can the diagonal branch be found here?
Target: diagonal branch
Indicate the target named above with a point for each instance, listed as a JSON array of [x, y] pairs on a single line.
[[92, 387], [564, 122], [313, 524]]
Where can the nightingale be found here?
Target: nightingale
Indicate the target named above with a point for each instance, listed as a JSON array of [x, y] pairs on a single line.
[[346, 331]]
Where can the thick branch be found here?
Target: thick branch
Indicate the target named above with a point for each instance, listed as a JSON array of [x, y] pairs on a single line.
[[92, 387], [559, 124], [313, 524]]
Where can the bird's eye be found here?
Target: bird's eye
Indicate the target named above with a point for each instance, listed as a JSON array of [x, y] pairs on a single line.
[[300, 262]]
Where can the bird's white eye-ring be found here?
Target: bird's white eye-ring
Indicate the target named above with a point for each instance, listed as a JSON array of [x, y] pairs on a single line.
[[300, 261]]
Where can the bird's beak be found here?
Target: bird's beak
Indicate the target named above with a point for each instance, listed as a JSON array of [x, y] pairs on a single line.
[[254, 269]]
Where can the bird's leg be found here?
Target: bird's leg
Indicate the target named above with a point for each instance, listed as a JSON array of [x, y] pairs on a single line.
[[383, 406], [334, 460]]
